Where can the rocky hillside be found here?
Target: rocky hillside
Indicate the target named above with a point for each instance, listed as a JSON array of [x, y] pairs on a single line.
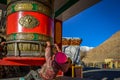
[[109, 49]]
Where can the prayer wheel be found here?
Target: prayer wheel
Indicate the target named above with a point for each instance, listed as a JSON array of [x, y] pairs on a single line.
[[29, 26]]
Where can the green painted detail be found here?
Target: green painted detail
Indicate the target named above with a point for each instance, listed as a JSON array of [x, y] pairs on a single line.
[[35, 7], [13, 6], [14, 36], [65, 7], [36, 37]]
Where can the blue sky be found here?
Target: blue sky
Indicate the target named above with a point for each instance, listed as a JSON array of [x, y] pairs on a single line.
[[95, 24]]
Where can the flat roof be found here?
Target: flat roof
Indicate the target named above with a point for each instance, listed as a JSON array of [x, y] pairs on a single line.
[[65, 9]]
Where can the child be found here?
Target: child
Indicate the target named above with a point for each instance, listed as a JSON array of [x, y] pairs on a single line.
[[50, 69]]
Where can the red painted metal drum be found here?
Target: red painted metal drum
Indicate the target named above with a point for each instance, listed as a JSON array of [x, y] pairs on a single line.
[[29, 22], [29, 26]]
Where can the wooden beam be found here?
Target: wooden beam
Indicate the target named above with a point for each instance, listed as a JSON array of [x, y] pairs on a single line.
[[65, 7]]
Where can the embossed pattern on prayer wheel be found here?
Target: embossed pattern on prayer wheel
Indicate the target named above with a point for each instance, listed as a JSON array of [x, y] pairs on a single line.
[[29, 6], [29, 26]]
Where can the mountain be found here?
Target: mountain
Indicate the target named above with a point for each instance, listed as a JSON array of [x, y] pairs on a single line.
[[108, 49], [85, 48]]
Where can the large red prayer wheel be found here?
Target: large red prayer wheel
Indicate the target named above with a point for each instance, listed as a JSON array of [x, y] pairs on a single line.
[[29, 26]]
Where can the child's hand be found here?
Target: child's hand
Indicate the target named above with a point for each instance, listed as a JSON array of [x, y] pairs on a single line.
[[57, 47]]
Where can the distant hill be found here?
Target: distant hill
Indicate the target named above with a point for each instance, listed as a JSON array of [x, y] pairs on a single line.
[[108, 49]]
